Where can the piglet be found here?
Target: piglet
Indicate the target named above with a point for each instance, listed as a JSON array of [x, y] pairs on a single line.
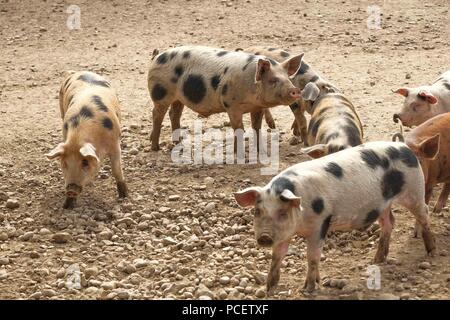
[[91, 130], [343, 191]]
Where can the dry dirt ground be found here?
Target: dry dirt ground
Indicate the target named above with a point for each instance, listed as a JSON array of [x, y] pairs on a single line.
[[201, 244]]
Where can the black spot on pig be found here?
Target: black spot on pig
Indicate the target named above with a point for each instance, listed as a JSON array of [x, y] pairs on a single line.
[[294, 106], [194, 88], [162, 58], [90, 79], [186, 54], [74, 121], [325, 226], [215, 81], [392, 183], [178, 70], [314, 79], [281, 184], [284, 54], [221, 53], [446, 85], [373, 160], [272, 62], [408, 157], [334, 169], [158, 92], [371, 217], [224, 89], [317, 205], [332, 136], [107, 123], [86, 112], [303, 68], [353, 135], [97, 100], [314, 125], [173, 54]]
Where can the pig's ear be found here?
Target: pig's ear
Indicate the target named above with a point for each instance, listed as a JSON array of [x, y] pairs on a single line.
[[57, 152], [88, 150], [293, 64], [316, 151], [287, 195], [429, 148], [247, 197], [262, 66], [402, 91], [428, 96], [310, 92]]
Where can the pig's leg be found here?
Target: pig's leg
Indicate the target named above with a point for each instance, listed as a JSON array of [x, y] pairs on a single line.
[[159, 111], [313, 253], [175, 111], [386, 221], [269, 119], [257, 124], [442, 198], [116, 167], [236, 123], [278, 254], [420, 211], [428, 195], [69, 203], [299, 125]]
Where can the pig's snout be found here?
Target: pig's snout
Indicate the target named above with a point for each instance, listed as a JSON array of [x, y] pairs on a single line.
[[294, 93], [73, 190], [265, 240]]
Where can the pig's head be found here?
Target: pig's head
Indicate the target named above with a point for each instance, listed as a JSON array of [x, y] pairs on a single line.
[[426, 151], [79, 165], [275, 213], [274, 81], [418, 106]]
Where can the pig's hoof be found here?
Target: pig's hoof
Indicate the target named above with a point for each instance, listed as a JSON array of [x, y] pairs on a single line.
[[310, 286], [69, 203], [437, 209], [122, 189], [432, 252], [294, 140], [270, 291], [155, 148]]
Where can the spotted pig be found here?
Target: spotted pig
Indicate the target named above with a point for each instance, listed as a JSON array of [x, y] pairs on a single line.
[[91, 130], [343, 191], [211, 80]]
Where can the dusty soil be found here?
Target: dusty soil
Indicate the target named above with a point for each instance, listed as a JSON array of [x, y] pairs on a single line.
[[150, 247]]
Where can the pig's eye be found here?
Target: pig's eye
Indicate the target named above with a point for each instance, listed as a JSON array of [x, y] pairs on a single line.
[[257, 212], [85, 163], [283, 215], [274, 81]]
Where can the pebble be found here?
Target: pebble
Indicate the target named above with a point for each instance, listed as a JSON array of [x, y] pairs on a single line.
[[168, 241], [174, 197], [27, 236], [204, 298], [4, 261], [210, 207], [134, 151], [209, 182], [12, 204], [123, 295], [35, 296], [424, 265], [388, 296], [260, 293], [61, 237], [224, 280], [90, 272], [49, 293], [3, 274], [109, 285]]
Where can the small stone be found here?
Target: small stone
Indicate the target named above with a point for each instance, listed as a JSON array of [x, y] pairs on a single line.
[[4, 261], [12, 204], [174, 197], [27, 236], [168, 241], [3, 236], [34, 255], [44, 231], [123, 295], [294, 140], [140, 263], [163, 209], [61, 237], [224, 280], [105, 235], [204, 298], [260, 293], [35, 296], [209, 182], [3, 274], [134, 151], [424, 265], [108, 285], [408, 76], [388, 296], [49, 293], [210, 207], [90, 272]]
